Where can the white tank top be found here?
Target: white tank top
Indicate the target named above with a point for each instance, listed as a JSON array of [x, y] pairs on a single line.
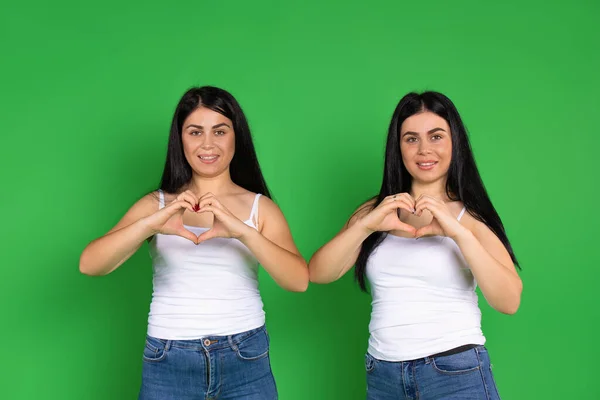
[[424, 299], [209, 289]]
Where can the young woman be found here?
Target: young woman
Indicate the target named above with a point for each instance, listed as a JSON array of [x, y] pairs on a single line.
[[424, 243], [208, 226]]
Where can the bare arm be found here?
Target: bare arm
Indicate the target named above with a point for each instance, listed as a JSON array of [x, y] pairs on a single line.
[[143, 220], [487, 257], [335, 258], [275, 249], [492, 267], [107, 253]]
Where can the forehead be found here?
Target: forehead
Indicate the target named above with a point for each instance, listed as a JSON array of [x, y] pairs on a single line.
[[206, 117], [424, 122]]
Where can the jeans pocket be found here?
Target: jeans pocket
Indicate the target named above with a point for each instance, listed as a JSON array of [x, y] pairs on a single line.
[[369, 363], [460, 363], [253, 347], [155, 349]]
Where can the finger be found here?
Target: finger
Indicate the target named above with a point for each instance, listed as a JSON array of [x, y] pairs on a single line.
[[184, 197], [187, 235], [424, 231], [192, 196], [407, 202], [395, 199], [426, 204], [405, 227], [189, 197], [210, 208], [209, 234], [210, 201], [393, 205], [178, 205], [407, 197]]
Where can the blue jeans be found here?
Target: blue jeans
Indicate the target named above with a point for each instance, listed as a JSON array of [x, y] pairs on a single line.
[[462, 376], [215, 368]]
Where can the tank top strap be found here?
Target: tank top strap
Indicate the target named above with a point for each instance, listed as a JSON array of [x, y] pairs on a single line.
[[161, 199], [254, 213], [462, 212]]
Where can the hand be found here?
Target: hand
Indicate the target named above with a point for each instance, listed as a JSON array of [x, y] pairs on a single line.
[[169, 220], [385, 217], [225, 224], [443, 222]]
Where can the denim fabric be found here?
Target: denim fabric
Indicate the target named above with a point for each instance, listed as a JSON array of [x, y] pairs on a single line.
[[211, 368], [462, 376]]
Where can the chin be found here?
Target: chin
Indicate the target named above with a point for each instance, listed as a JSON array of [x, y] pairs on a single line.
[[209, 172], [427, 178]]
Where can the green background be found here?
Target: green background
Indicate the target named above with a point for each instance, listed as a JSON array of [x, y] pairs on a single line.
[[87, 94]]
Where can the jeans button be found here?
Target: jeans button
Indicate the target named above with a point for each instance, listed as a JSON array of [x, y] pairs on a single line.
[[206, 342]]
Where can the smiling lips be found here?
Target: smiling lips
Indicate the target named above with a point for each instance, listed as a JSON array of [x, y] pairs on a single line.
[[208, 158], [426, 165]]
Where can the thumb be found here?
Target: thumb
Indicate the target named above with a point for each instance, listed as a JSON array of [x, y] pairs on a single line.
[[209, 234], [405, 227], [426, 230], [187, 235]]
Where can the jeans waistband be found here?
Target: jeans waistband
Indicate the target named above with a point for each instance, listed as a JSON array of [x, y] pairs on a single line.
[[212, 342], [455, 350]]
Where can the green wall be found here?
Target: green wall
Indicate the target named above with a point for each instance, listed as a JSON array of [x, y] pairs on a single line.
[[87, 94]]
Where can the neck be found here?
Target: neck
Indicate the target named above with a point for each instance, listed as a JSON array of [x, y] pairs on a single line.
[[435, 189], [216, 185]]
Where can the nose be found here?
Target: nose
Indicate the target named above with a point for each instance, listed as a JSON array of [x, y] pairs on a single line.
[[207, 141], [424, 147]]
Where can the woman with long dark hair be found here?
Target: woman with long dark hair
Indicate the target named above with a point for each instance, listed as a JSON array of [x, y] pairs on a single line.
[[209, 226], [423, 244]]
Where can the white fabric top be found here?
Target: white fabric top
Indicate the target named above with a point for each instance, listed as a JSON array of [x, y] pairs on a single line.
[[209, 289], [424, 299]]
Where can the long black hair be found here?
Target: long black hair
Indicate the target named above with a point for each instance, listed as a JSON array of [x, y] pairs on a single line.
[[463, 183], [244, 168]]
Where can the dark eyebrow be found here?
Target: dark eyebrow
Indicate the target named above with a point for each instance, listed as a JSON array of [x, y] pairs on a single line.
[[434, 130], [220, 125], [201, 127]]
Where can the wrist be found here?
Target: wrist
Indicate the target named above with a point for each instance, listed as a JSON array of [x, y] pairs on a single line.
[[146, 227], [361, 229], [247, 233]]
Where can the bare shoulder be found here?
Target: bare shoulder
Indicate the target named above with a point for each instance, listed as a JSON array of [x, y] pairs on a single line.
[[168, 197], [269, 209], [467, 220], [271, 219], [150, 202], [145, 206], [478, 228], [488, 239]]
